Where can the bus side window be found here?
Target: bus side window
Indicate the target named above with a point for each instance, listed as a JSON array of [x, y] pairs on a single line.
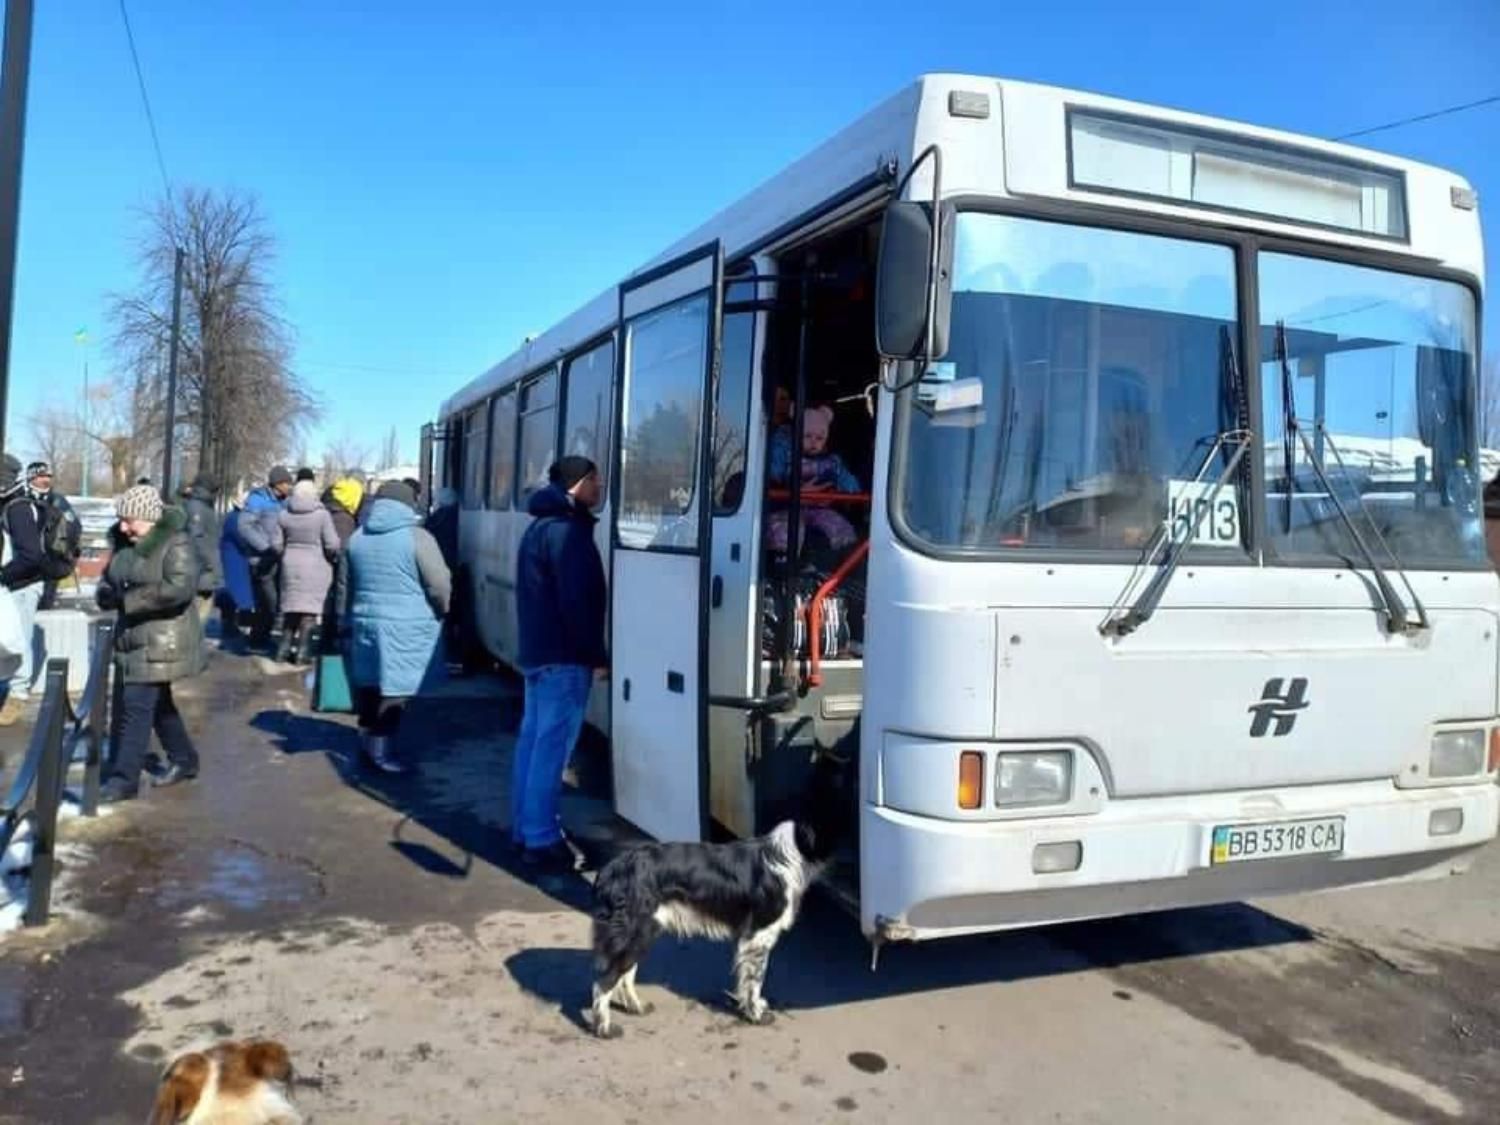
[[538, 440], [587, 418], [732, 418], [503, 455], [474, 450]]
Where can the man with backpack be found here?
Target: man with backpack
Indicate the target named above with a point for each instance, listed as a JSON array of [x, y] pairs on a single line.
[[61, 529]]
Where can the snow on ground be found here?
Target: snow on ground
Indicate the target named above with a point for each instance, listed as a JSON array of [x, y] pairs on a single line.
[[15, 865]]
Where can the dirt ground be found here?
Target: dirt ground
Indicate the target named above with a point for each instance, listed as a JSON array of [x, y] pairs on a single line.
[[375, 927]]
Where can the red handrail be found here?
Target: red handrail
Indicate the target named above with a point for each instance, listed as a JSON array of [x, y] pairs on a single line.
[[815, 611], [822, 496]]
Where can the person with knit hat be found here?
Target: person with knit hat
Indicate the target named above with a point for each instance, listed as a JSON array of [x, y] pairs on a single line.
[[341, 500], [151, 584], [393, 593], [61, 530], [561, 602], [23, 574]]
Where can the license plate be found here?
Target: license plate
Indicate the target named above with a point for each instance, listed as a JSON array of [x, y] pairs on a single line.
[[1279, 839]]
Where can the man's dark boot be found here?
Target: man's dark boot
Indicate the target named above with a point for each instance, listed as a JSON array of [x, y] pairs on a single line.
[[379, 753], [284, 649], [174, 774]]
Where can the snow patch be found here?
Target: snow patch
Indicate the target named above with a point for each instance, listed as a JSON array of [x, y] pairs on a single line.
[[15, 883]]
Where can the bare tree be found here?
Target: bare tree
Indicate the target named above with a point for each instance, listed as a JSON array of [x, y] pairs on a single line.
[[390, 450], [57, 438], [345, 454], [240, 400]]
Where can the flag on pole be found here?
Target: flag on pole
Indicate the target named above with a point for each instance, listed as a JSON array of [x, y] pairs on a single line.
[[81, 336]]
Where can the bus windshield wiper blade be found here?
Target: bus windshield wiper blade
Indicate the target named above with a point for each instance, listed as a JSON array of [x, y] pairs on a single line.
[[1400, 621], [1397, 619], [1118, 624]]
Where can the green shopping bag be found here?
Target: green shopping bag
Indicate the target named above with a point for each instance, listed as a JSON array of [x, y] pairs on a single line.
[[331, 684]]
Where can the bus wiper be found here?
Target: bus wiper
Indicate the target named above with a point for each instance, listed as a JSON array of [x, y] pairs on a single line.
[[1397, 618], [1166, 551]]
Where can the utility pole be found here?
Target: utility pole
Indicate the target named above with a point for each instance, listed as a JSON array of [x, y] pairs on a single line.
[[88, 422], [81, 338], [171, 434], [13, 67]]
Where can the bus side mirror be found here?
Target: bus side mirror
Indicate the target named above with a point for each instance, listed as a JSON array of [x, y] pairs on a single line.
[[905, 286]]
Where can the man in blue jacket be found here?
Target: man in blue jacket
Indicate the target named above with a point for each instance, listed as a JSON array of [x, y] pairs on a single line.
[[259, 532], [560, 599]]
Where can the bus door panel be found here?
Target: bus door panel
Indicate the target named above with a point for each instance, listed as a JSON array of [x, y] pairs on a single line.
[[661, 503], [734, 642]]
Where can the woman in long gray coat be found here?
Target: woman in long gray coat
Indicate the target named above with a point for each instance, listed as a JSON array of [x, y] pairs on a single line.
[[393, 596], [311, 546]]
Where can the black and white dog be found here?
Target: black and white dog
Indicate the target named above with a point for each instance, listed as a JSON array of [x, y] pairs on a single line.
[[747, 892]]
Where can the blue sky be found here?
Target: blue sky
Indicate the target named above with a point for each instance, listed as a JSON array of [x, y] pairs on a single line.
[[444, 179]]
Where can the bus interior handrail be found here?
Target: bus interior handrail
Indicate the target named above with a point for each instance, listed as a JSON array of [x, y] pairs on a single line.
[[815, 610], [822, 496]]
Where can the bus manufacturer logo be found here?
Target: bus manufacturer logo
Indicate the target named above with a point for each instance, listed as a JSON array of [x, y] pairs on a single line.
[[1278, 708]]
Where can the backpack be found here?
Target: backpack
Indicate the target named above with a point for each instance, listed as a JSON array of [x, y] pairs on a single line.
[[62, 540]]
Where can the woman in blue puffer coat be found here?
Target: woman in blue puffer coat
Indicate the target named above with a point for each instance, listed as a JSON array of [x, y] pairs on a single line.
[[393, 593]]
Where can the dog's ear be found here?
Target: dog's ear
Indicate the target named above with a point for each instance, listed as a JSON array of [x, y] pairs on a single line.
[[265, 1058], [807, 838], [181, 1087]]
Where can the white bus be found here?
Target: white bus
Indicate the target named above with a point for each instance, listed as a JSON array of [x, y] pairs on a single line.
[[1137, 559]]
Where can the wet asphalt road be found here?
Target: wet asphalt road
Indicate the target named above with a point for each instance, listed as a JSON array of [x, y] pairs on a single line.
[[286, 893]]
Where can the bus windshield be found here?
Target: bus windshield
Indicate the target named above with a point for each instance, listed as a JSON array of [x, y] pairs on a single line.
[[1086, 383], [1090, 371], [1380, 373]]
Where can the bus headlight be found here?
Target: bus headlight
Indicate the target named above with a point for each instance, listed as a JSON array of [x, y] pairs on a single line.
[[1456, 753], [1040, 777]]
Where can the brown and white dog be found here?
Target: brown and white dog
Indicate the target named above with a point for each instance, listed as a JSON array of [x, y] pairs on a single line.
[[229, 1084]]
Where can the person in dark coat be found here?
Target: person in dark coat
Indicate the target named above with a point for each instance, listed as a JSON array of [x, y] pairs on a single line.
[[151, 583], [393, 596], [342, 499], [561, 602], [52, 508], [206, 531], [443, 524]]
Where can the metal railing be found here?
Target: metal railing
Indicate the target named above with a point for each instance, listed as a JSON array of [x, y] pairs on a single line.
[[36, 792]]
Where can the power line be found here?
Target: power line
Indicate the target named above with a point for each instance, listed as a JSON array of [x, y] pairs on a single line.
[[1419, 117], [140, 78], [368, 368]]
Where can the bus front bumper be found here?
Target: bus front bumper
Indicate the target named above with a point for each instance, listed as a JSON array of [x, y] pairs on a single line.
[[922, 877]]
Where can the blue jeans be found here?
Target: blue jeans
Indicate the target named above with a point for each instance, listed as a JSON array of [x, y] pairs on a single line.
[[27, 600], [557, 695]]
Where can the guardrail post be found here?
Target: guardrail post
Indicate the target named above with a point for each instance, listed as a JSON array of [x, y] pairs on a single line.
[[51, 772], [102, 662]]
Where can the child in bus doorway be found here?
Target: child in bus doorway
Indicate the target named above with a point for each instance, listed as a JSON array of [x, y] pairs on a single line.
[[822, 471]]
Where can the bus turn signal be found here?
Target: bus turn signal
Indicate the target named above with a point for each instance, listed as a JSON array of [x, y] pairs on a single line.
[[970, 779]]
